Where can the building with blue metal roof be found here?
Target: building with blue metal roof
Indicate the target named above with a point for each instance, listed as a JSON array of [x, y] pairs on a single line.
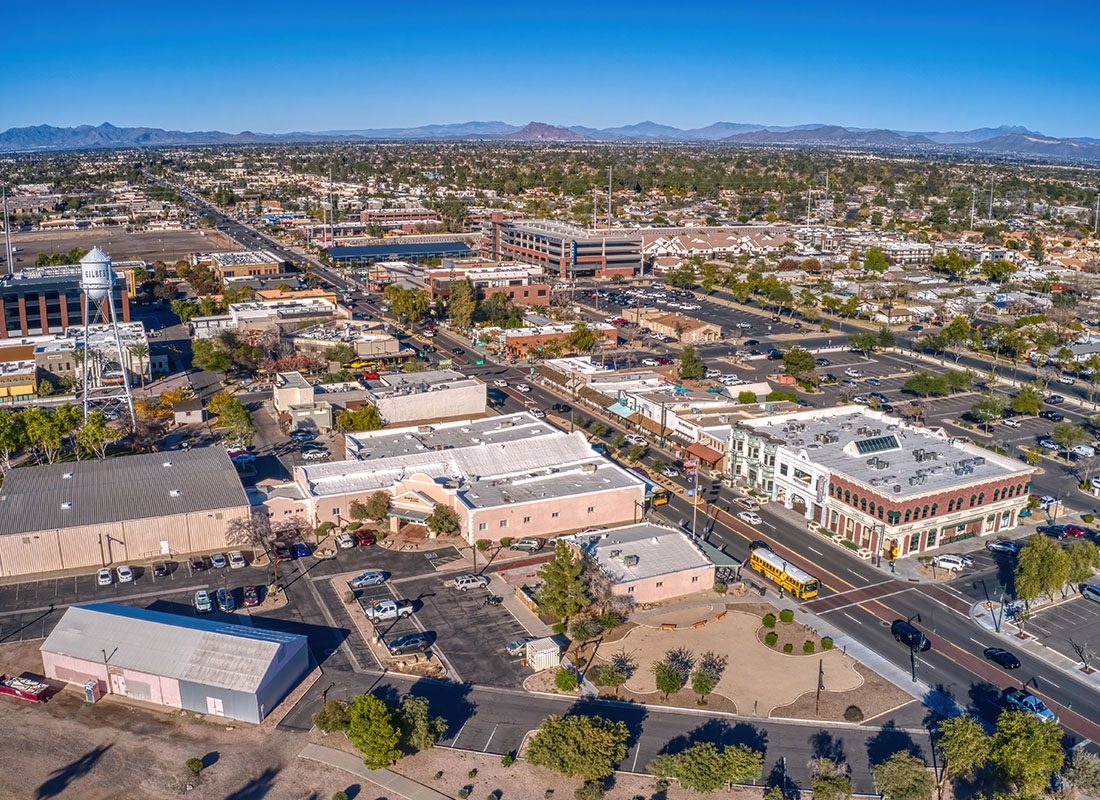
[[409, 251]]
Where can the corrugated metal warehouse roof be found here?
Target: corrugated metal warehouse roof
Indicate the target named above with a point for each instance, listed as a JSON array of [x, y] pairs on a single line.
[[207, 652], [116, 489], [384, 252]]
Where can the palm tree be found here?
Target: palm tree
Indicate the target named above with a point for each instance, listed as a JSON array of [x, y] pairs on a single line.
[[140, 351]]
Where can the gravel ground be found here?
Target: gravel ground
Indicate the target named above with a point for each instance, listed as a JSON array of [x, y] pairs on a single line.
[[169, 246]]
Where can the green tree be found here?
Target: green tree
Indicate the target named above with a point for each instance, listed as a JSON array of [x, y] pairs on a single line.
[[709, 273], [462, 303], [140, 351], [1083, 559], [43, 432], [903, 776], [375, 732], [798, 362], [1042, 567], [671, 672], [865, 342], [580, 746], [1035, 249], [874, 260], [682, 278], [607, 675], [691, 366], [706, 675], [95, 435], [335, 715], [1068, 436], [746, 398], [13, 436], [830, 780], [1027, 401], [582, 338], [964, 744], [563, 592], [443, 521], [419, 729], [705, 768], [377, 506], [953, 265], [341, 353], [232, 415], [364, 418], [997, 271], [1026, 751], [988, 409]]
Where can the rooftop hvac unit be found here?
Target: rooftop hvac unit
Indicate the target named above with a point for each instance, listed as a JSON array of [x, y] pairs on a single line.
[[616, 553], [631, 560], [978, 461], [897, 488], [424, 429], [588, 469]]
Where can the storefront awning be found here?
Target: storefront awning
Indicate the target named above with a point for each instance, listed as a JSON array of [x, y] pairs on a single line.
[[410, 515], [708, 455], [620, 410]]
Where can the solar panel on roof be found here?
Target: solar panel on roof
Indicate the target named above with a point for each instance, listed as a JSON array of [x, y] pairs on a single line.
[[879, 444]]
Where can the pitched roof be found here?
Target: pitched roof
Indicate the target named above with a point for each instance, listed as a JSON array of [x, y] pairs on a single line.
[[116, 489], [207, 652]]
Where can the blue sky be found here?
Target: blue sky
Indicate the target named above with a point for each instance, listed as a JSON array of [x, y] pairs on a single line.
[[281, 66]]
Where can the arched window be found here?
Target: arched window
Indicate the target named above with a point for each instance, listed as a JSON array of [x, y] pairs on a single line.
[[935, 508], [950, 506], [981, 498], [872, 509], [908, 513], [863, 504], [880, 510], [924, 512], [847, 496], [973, 500], [1019, 488]]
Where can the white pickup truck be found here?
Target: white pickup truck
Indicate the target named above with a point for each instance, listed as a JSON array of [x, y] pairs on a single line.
[[389, 609]]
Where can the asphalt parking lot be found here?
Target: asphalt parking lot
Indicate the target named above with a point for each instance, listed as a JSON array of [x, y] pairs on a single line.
[[1074, 622], [469, 633]]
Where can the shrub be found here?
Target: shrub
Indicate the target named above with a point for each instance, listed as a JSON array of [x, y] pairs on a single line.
[[558, 628], [472, 773], [788, 648], [324, 528], [807, 647], [853, 714], [611, 619], [771, 638], [849, 544], [507, 760], [1087, 518], [464, 792], [195, 765], [720, 587], [354, 526], [340, 795], [589, 790], [786, 616], [745, 398], [565, 680], [493, 795], [333, 716], [826, 643], [482, 545], [506, 541], [769, 620]]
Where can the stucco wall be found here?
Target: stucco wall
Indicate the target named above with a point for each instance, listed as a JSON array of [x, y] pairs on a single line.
[[666, 587]]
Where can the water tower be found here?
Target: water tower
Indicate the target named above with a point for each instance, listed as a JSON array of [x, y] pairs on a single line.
[[106, 384]]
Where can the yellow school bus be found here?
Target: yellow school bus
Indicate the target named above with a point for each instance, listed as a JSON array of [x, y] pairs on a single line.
[[787, 576]]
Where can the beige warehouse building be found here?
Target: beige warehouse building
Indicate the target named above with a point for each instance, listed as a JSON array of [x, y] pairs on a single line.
[[133, 509]]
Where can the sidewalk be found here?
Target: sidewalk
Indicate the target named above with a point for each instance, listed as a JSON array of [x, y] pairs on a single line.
[[394, 784], [524, 616]]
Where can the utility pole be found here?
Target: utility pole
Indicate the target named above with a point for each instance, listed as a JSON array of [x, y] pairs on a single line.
[[825, 210], [990, 198], [1095, 215], [609, 198], [972, 192]]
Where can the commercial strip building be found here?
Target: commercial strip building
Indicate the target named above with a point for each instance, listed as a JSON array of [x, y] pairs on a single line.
[[522, 284], [521, 342], [239, 264], [504, 476], [206, 666], [561, 249], [47, 300], [688, 330], [280, 315], [18, 372], [885, 485], [367, 339], [358, 256], [125, 510], [648, 563]]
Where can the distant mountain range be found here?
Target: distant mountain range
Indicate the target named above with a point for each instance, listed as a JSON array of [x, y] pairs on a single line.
[[1003, 140]]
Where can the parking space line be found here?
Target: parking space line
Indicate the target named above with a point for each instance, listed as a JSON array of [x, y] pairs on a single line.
[[487, 743], [637, 751]]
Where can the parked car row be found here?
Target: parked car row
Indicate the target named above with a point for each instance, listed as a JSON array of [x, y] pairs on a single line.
[[224, 599]]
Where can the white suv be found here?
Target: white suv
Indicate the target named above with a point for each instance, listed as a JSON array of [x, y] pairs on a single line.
[[466, 582], [949, 562]]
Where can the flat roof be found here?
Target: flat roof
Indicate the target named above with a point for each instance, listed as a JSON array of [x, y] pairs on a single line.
[[244, 258], [104, 491], [203, 651], [381, 252], [488, 462], [645, 550], [884, 452]]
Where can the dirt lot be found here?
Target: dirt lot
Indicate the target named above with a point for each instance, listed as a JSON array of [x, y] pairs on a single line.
[[169, 246], [67, 748]]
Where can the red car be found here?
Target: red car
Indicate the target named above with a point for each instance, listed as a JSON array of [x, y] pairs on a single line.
[[364, 538], [251, 596], [1073, 530], [370, 376], [281, 551]]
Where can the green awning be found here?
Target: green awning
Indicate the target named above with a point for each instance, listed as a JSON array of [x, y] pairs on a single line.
[[409, 515]]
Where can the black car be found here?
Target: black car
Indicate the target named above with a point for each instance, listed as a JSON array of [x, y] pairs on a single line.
[[458, 351], [198, 564], [162, 568], [412, 643], [909, 634], [496, 397], [821, 362], [561, 408], [774, 354], [751, 342], [1053, 531], [1053, 416], [1001, 657]]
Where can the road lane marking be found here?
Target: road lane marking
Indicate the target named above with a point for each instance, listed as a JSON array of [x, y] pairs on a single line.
[[637, 750], [460, 730], [862, 588], [491, 735], [975, 641], [815, 550], [866, 600], [853, 619]]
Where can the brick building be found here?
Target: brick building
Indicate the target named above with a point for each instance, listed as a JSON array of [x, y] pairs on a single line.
[[42, 300], [522, 284], [887, 486]]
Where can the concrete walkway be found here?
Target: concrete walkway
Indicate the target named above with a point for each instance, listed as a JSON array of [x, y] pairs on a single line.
[[395, 785]]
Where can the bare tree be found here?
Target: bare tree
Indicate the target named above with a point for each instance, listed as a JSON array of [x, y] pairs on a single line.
[[1084, 652]]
